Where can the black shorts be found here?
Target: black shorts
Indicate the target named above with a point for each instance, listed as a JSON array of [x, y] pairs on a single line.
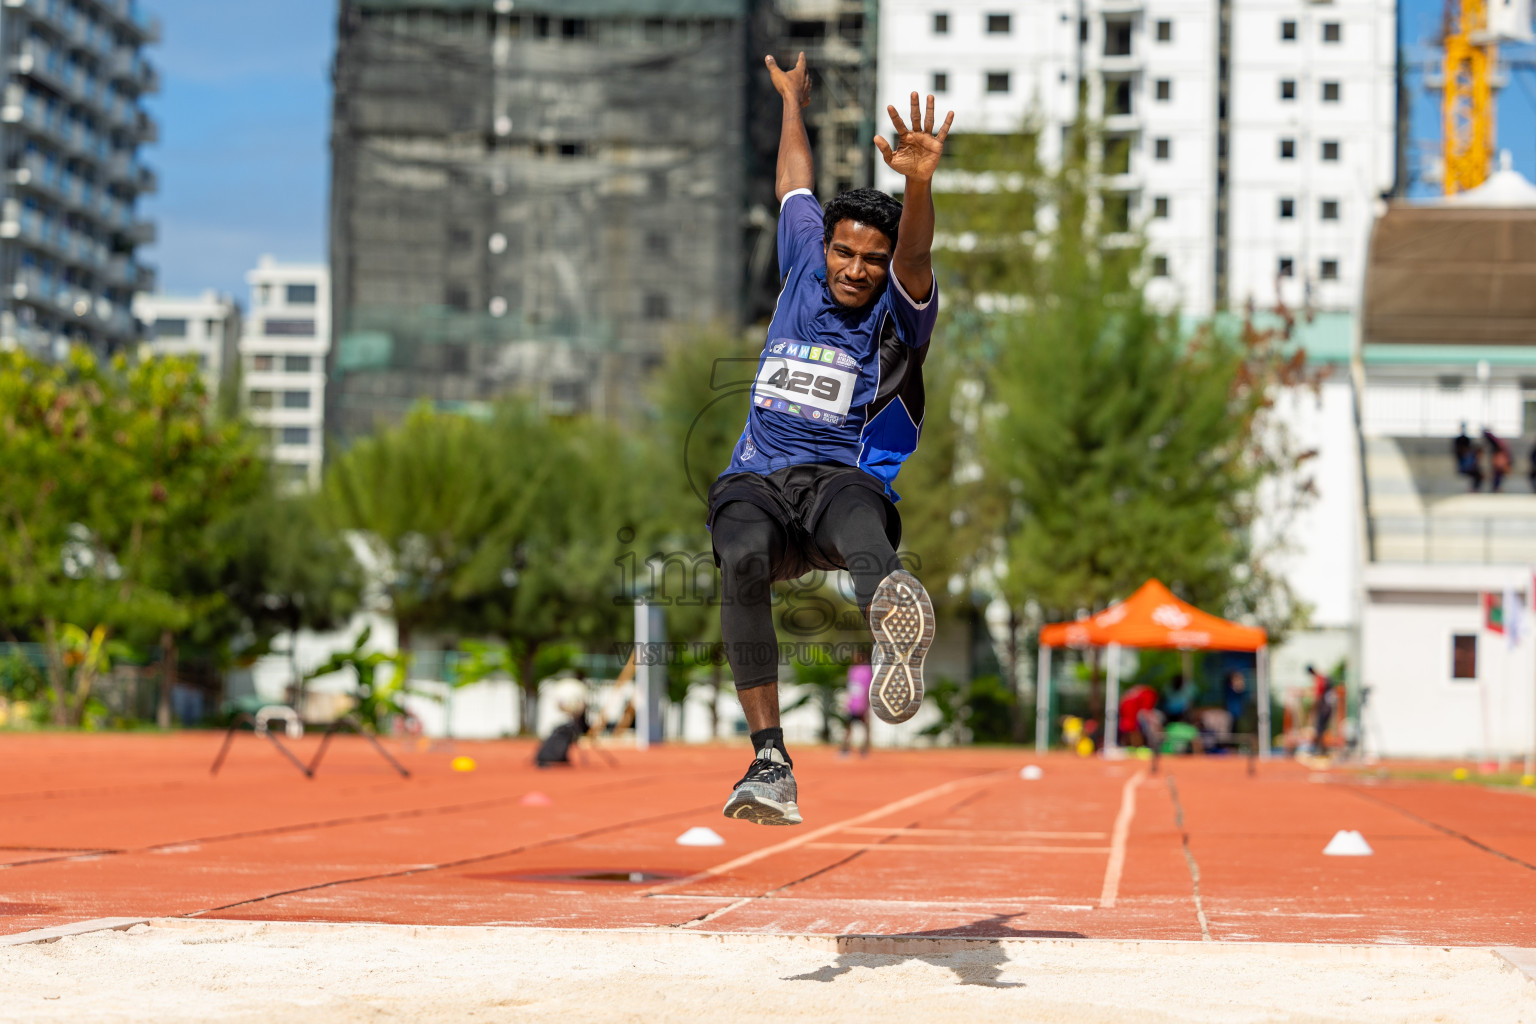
[[796, 498]]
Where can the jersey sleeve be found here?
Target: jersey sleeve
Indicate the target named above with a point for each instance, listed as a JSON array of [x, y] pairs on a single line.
[[799, 230], [914, 320]]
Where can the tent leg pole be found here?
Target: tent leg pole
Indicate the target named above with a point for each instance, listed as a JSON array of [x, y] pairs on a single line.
[[1262, 671], [1043, 701], [1112, 701]]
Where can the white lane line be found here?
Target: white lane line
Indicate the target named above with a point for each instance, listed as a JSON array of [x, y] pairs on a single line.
[[1116, 865], [895, 830], [826, 830], [954, 848]]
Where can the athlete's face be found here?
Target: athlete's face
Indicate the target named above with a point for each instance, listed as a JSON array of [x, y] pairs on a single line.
[[858, 262]]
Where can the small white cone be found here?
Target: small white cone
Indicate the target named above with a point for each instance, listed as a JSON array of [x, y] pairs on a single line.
[[1348, 843], [1031, 773], [700, 836]]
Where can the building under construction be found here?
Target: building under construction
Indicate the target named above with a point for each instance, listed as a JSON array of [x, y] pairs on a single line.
[[531, 197]]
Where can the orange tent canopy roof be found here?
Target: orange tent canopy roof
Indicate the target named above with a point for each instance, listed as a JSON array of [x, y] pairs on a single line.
[[1153, 618]]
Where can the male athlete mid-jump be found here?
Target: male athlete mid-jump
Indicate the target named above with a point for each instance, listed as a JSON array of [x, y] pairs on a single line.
[[836, 407]]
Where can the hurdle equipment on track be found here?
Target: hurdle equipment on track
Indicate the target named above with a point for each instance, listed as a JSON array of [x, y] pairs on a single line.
[[294, 727]]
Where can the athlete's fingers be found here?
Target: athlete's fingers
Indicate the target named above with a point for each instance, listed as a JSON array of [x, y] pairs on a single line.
[[917, 112], [901, 127], [928, 116], [949, 119], [884, 148]]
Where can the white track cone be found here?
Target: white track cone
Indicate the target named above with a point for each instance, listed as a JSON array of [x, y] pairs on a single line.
[[1347, 843], [1031, 773], [700, 836]]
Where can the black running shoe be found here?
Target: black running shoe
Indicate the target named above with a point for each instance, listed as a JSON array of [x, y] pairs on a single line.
[[901, 619], [766, 794]]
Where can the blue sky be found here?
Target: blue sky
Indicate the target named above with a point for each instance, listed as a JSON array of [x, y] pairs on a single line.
[[244, 113]]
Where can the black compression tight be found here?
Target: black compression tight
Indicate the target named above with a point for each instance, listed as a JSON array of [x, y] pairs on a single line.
[[750, 542]]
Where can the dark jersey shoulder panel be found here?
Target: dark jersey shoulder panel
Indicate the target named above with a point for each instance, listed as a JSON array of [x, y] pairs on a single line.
[[834, 385]]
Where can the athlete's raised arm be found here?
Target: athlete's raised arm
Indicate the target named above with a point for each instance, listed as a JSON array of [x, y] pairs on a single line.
[[916, 157], [795, 169]]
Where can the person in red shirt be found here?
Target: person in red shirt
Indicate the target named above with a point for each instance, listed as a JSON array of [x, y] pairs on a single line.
[[1323, 700], [1138, 713]]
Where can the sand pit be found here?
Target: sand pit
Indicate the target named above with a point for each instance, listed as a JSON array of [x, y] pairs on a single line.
[[178, 970]]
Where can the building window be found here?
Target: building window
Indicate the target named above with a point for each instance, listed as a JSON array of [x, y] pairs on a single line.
[[1328, 270], [1164, 89], [940, 82], [1331, 92], [1333, 32], [1159, 266], [295, 399], [1117, 39], [170, 328], [999, 24], [296, 364], [657, 243], [1331, 151], [1162, 149], [264, 294], [1287, 267], [1464, 656], [1288, 88], [295, 435], [301, 294], [655, 307], [1287, 209], [1287, 149], [211, 328], [261, 399], [262, 364], [1288, 31], [1160, 207], [1165, 31], [941, 24], [1330, 209], [997, 81], [289, 328]]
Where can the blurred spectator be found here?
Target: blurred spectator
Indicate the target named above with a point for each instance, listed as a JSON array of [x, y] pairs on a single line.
[[1179, 701], [859, 675], [1468, 462], [1500, 460], [1234, 695], [1324, 697], [1138, 716], [1533, 467]]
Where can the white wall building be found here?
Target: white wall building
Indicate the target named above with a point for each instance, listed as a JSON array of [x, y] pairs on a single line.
[[1258, 132], [205, 327], [282, 352]]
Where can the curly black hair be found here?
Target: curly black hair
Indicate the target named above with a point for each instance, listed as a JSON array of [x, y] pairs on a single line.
[[867, 206]]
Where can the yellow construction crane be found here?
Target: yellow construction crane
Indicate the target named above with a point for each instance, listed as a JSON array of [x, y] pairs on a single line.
[[1469, 75], [1467, 107]]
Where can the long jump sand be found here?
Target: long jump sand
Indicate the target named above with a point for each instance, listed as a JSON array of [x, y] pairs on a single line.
[[178, 970]]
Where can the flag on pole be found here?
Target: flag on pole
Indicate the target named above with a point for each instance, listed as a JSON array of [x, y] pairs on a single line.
[[1516, 618], [1493, 613]]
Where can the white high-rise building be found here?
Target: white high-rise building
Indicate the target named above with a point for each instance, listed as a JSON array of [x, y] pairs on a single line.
[[282, 352], [205, 327], [1251, 138]]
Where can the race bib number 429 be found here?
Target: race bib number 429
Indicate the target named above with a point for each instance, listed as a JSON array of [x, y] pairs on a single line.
[[817, 385]]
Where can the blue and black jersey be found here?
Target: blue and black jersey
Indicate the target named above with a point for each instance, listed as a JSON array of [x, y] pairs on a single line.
[[834, 385]]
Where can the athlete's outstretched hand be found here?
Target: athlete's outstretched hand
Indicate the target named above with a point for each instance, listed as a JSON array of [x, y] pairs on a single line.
[[917, 149], [795, 84]]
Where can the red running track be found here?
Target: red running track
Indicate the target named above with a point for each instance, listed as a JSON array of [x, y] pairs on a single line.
[[949, 842]]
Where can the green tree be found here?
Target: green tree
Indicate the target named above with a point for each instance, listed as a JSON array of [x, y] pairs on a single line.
[[284, 569], [698, 408], [114, 479]]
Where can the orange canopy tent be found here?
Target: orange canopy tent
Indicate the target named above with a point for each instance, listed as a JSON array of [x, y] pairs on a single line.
[[1150, 618]]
